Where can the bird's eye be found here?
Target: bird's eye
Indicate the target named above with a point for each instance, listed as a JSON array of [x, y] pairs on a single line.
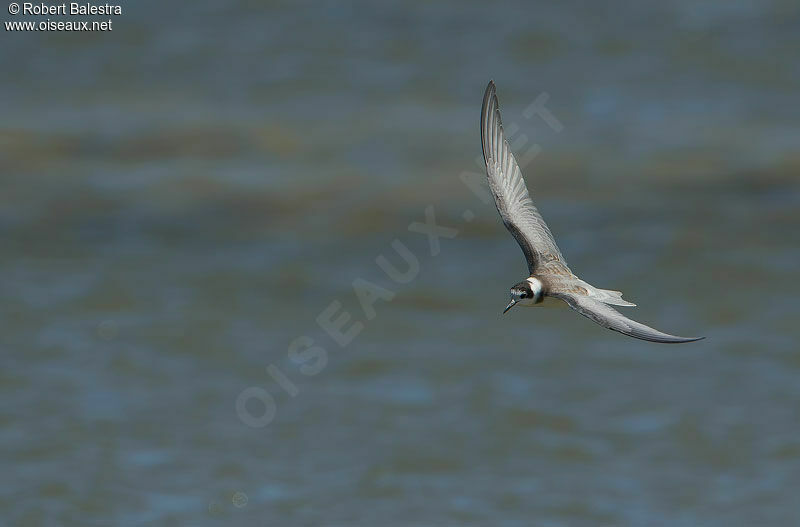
[[523, 295]]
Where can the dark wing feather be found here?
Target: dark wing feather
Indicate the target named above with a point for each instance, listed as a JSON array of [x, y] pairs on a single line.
[[508, 188], [610, 318]]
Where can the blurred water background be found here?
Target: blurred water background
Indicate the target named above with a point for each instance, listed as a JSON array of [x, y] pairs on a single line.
[[180, 199]]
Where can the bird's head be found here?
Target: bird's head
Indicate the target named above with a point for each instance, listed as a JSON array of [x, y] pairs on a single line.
[[527, 293]]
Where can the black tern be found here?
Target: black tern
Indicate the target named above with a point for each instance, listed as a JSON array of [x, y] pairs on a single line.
[[550, 278]]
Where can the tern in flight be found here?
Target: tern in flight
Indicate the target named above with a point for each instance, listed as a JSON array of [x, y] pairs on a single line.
[[549, 275]]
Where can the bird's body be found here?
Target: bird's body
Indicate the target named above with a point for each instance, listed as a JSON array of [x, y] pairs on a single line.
[[550, 281]]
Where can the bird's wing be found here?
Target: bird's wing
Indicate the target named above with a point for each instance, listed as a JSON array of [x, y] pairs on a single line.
[[510, 194], [610, 318]]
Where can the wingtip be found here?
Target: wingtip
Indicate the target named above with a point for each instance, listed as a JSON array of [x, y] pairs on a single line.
[[683, 340]]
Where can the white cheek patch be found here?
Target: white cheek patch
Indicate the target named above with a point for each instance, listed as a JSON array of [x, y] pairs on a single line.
[[536, 286]]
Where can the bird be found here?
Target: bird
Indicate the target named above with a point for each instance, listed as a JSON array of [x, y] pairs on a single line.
[[550, 280]]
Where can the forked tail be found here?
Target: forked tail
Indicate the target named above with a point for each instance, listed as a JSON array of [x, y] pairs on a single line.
[[608, 296]]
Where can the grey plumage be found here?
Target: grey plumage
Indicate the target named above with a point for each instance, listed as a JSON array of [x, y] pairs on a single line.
[[545, 262], [610, 318], [511, 196]]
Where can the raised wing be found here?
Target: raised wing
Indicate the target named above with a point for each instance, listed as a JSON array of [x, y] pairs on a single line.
[[610, 318], [510, 194]]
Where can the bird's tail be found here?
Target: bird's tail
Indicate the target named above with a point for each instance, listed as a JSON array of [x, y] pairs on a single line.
[[608, 296]]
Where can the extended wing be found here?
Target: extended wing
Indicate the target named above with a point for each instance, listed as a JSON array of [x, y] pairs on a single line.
[[510, 194], [610, 318]]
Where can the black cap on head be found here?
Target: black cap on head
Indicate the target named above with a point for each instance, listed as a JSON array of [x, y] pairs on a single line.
[[523, 288]]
